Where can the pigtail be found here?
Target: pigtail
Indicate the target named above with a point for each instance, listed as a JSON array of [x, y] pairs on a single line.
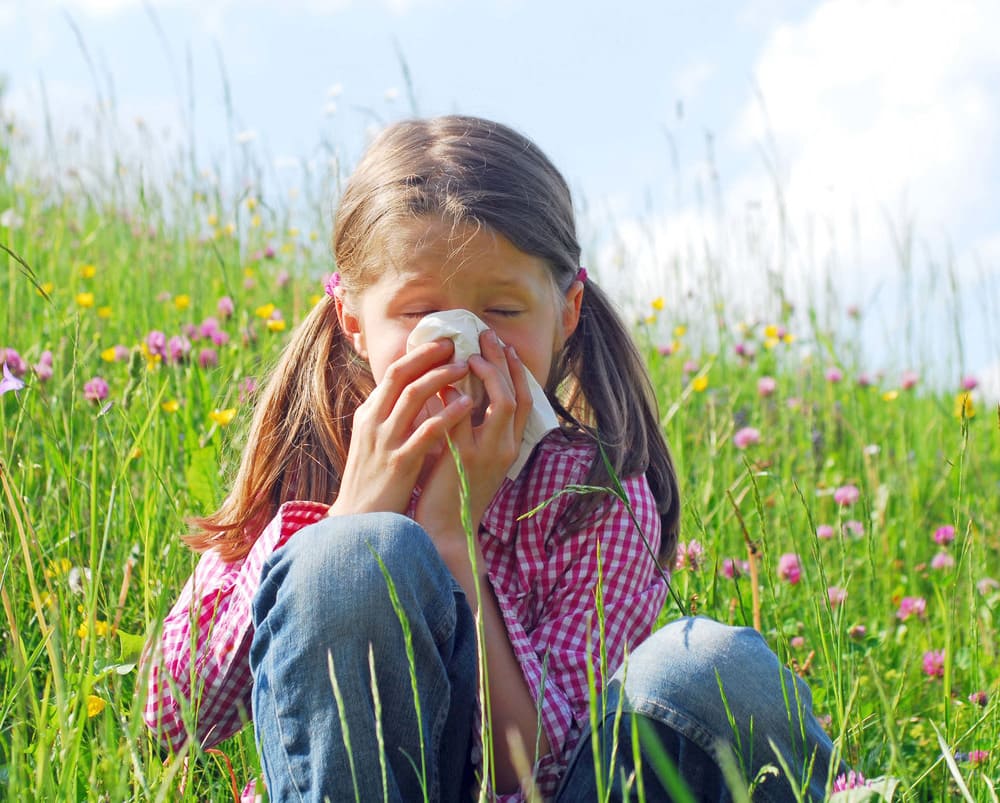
[[605, 388], [297, 442]]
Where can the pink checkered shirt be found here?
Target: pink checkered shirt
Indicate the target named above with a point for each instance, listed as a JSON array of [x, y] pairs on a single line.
[[544, 578]]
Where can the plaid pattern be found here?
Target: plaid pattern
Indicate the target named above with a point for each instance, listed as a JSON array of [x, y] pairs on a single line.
[[545, 578]]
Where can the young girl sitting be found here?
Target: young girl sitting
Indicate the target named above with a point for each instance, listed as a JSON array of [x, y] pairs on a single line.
[[348, 481]]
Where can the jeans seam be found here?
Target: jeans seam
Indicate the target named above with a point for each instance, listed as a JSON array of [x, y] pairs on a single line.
[[277, 720]]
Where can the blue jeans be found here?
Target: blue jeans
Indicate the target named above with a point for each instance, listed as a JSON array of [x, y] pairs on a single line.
[[323, 599]]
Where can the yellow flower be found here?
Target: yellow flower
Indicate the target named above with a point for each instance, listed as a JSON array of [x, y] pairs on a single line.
[[170, 406], [213, 220], [104, 312], [152, 360], [288, 248], [251, 203], [223, 417], [88, 271], [890, 395], [265, 311], [182, 302], [108, 355], [276, 325], [135, 454], [649, 319], [680, 330], [255, 221], [58, 567], [788, 337], [101, 628], [46, 288], [230, 229], [964, 407], [293, 232], [771, 331], [95, 705], [699, 383], [313, 236], [657, 303], [85, 300], [771, 342]]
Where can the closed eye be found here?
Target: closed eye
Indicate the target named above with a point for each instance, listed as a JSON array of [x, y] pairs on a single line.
[[505, 313]]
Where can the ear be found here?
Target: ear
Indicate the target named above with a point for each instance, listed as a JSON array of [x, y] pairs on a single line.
[[571, 309], [350, 324]]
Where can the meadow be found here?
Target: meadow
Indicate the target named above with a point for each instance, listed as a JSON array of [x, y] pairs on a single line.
[[853, 519]]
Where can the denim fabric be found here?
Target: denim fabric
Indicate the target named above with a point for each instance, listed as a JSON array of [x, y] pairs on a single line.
[[671, 686], [323, 596]]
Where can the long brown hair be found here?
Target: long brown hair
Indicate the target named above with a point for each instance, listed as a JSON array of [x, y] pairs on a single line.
[[461, 169]]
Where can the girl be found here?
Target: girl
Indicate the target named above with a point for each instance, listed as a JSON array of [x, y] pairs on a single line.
[[348, 481]]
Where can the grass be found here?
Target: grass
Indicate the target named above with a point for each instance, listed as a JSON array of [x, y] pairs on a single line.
[[96, 491]]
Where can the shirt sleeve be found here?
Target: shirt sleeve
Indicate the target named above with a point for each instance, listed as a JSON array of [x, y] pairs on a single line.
[[197, 674], [560, 650]]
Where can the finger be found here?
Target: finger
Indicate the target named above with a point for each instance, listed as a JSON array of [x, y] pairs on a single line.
[[432, 431], [408, 368], [522, 390]]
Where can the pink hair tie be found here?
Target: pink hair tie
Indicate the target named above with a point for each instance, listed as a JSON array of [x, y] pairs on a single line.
[[581, 275], [331, 284]]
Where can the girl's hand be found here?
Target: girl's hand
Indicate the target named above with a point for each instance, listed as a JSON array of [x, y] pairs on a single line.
[[487, 449], [397, 427]]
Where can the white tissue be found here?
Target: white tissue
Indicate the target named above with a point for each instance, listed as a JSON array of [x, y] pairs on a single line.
[[463, 328]]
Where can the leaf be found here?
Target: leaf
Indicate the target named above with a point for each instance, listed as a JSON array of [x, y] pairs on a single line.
[[202, 476], [131, 646]]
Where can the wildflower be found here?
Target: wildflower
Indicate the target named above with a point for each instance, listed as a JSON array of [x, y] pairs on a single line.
[[95, 389], [864, 380], [182, 301], [85, 300], [944, 535], [95, 705], [853, 311], [88, 271], [269, 252], [680, 330], [657, 303], [219, 337], [264, 311], [9, 219], [872, 449], [747, 436], [890, 395], [76, 579], [276, 325], [170, 406], [691, 367], [109, 354], [667, 350], [846, 495], [9, 381], [101, 629], [208, 358], [854, 527], [164, 297], [771, 332], [836, 595], [177, 349], [225, 307], [978, 698], [857, 632], [732, 568], [699, 384], [14, 361], [789, 568], [986, 585], [852, 780], [825, 532], [797, 642], [911, 606], [156, 342], [247, 388], [689, 555], [104, 313], [964, 406], [908, 379], [977, 757], [745, 350], [43, 368], [834, 374], [934, 663], [942, 560], [766, 385], [223, 417], [969, 383]]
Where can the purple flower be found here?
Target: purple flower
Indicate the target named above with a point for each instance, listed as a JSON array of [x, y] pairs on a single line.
[[934, 663], [282, 278], [942, 560], [858, 632], [836, 595], [978, 756], [846, 495], [16, 364], [864, 380], [208, 326], [178, 348], [247, 388], [732, 568], [208, 358], [970, 383], [95, 390], [944, 535], [766, 385], [979, 698], [825, 531], [689, 555], [43, 368], [156, 343], [852, 780], [9, 381], [789, 568], [226, 307], [854, 527], [747, 436], [269, 252], [834, 374], [121, 353], [691, 367], [908, 379], [911, 606]]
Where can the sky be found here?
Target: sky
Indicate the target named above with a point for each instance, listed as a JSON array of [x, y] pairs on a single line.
[[841, 150]]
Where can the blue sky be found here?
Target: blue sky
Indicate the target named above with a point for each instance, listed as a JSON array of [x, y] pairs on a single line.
[[691, 132]]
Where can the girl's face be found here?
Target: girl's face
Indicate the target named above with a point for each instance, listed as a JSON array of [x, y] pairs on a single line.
[[440, 267]]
